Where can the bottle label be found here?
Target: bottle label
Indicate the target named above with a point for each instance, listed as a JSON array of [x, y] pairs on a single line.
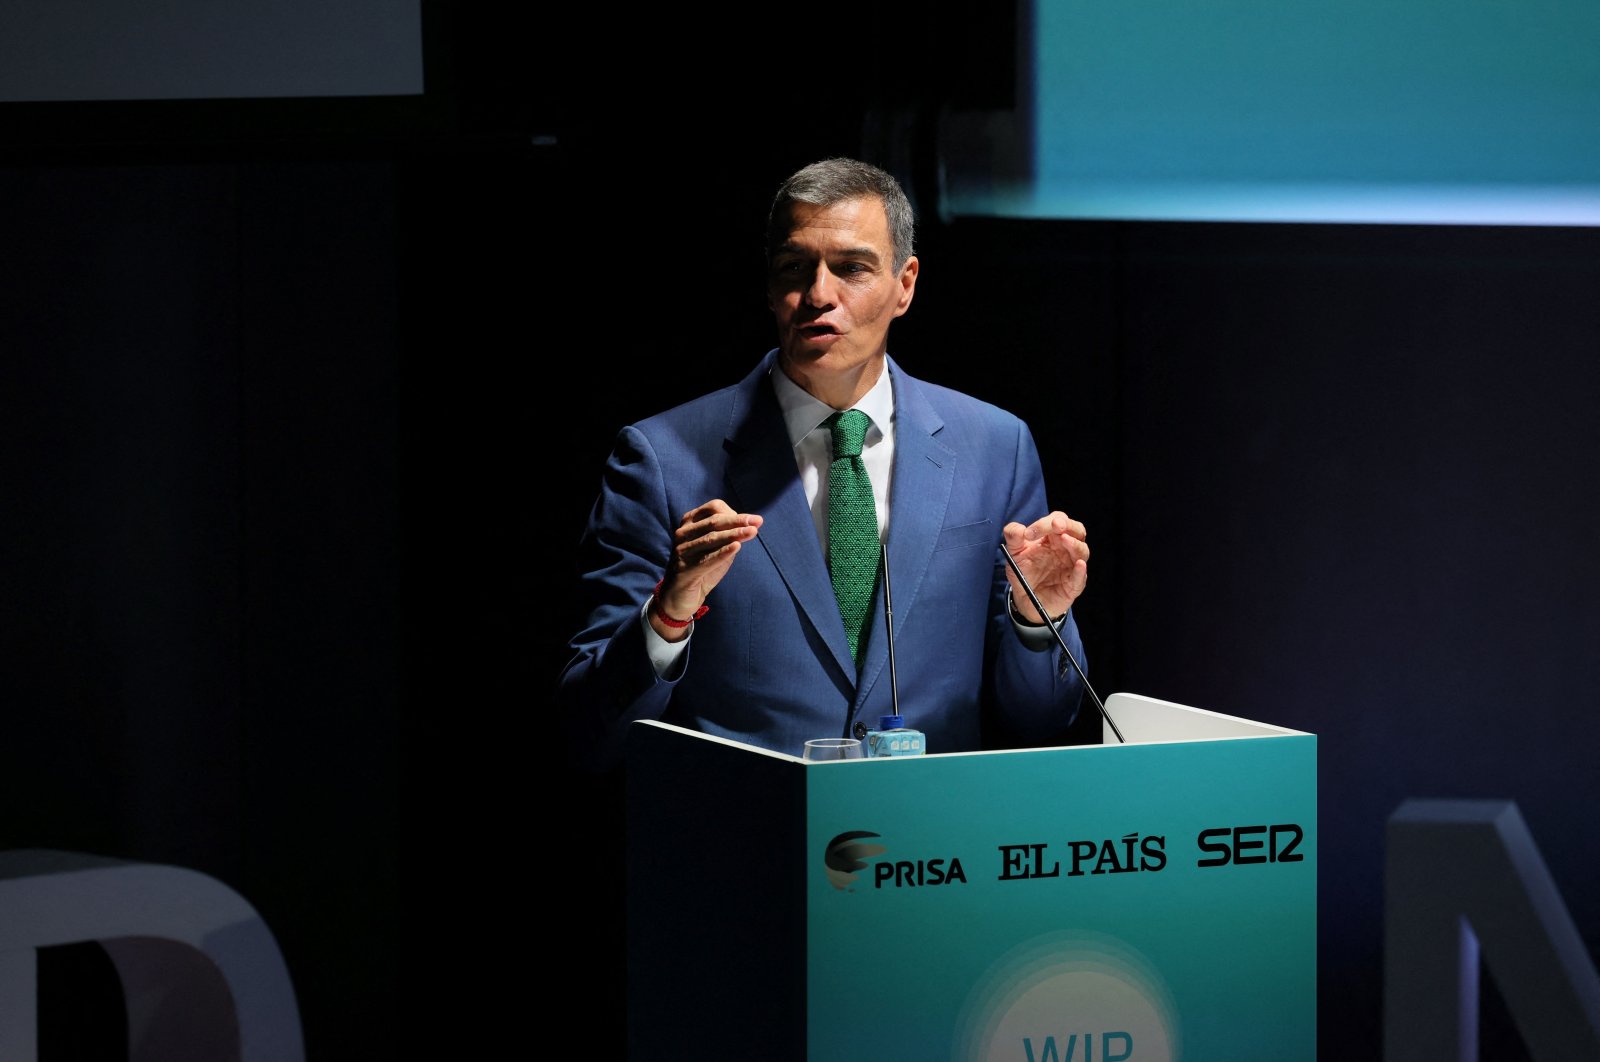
[[896, 743]]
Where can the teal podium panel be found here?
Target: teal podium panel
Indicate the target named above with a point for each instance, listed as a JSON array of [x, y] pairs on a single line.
[[1138, 902]]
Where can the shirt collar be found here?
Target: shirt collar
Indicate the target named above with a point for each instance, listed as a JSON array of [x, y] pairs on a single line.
[[802, 413]]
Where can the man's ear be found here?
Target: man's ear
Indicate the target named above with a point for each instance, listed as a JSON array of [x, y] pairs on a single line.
[[908, 285]]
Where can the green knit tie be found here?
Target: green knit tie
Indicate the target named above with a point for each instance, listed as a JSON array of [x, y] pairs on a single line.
[[852, 526]]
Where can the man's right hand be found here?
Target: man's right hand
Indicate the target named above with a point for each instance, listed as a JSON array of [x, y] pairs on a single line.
[[704, 546]]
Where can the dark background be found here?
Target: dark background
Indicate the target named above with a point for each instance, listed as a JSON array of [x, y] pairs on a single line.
[[302, 405]]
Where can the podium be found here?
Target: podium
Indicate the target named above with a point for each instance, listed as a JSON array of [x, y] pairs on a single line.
[[1132, 902]]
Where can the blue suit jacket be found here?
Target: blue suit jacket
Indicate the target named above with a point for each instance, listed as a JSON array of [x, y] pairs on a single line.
[[769, 664]]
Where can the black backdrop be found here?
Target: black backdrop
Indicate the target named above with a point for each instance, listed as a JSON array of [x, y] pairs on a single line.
[[301, 414]]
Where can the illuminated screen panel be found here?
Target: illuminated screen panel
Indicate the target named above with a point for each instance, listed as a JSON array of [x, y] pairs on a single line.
[[1467, 111], [112, 50]]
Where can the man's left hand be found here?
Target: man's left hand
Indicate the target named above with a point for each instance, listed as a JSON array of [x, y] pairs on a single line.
[[1053, 552]]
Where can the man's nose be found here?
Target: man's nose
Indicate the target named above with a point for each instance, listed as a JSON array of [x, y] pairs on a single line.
[[819, 290]]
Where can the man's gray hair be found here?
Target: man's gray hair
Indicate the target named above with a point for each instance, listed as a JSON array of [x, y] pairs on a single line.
[[834, 181]]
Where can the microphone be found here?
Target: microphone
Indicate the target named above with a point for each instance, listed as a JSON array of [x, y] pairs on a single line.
[[893, 737], [1023, 579]]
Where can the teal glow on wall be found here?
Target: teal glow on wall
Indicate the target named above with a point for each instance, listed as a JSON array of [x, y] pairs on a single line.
[[1467, 111]]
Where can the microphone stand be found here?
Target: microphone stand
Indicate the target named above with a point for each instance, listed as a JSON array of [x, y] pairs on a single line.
[[888, 627], [1023, 579]]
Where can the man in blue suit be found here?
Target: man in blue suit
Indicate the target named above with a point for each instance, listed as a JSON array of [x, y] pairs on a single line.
[[707, 586]]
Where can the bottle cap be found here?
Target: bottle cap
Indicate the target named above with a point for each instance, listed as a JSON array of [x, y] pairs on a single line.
[[892, 722]]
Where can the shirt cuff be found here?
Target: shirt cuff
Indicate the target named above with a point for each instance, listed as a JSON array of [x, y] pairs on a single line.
[[1033, 635], [666, 657]]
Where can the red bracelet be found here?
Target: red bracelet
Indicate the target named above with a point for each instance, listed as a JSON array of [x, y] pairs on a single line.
[[655, 595]]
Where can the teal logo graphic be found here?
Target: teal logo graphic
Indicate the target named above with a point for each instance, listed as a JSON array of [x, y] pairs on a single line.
[[1070, 997], [847, 856]]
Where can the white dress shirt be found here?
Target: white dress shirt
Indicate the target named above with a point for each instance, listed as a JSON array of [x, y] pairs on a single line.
[[813, 446]]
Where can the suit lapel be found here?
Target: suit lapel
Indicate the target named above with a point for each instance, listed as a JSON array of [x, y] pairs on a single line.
[[763, 478]]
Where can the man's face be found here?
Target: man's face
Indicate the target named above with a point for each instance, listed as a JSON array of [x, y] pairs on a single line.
[[833, 290]]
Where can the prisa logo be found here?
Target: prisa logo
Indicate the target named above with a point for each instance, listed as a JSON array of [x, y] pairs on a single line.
[[847, 856], [922, 872]]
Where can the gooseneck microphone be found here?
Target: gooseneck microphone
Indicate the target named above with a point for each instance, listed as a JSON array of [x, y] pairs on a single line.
[[888, 628], [892, 737], [1023, 579]]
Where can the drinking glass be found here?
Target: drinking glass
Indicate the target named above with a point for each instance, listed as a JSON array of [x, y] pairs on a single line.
[[822, 750]]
